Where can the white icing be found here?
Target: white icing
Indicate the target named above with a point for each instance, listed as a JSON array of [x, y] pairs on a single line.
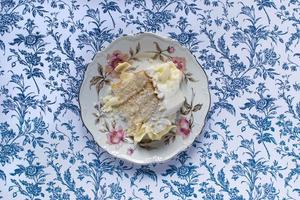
[[167, 78]]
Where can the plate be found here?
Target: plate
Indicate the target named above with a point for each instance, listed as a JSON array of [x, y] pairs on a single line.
[[144, 49]]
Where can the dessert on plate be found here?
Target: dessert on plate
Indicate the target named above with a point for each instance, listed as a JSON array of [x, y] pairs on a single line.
[[146, 101], [144, 98]]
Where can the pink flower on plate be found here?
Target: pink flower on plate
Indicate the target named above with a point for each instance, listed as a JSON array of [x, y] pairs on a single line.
[[183, 127], [116, 136], [179, 62], [115, 58], [130, 151], [170, 49]]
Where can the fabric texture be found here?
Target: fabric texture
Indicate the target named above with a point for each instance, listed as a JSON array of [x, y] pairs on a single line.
[[249, 148]]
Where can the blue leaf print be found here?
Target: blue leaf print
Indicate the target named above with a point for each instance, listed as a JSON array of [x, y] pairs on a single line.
[[2, 175], [19, 170], [2, 45], [298, 109], [171, 171], [142, 172], [262, 4], [221, 179], [222, 47], [297, 190], [108, 6], [68, 49], [68, 179]]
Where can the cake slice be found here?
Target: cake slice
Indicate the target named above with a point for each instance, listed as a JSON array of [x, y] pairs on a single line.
[[129, 85]]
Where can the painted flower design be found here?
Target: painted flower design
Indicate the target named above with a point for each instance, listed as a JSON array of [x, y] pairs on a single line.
[[10, 149], [179, 62], [33, 189], [33, 170], [269, 191], [115, 58], [183, 127], [187, 190], [130, 151], [262, 104], [238, 83], [33, 59], [116, 136], [7, 19], [263, 123], [270, 56], [116, 191], [156, 20], [171, 49], [31, 40], [235, 85], [183, 38], [7, 4], [7, 134], [184, 172]]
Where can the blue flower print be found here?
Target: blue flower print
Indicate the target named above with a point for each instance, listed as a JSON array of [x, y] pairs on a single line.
[[238, 83], [154, 20], [32, 59], [35, 175], [263, 104], [249, 148], [33, 189], [270, 56], [160, 2], [269, 191], [7, 134], [28, 129], [235, 86], [187, 175], [159, 16], [32, 40], [27, 58], [56, 192], [185, 190], [254, 167], [98, 36], [184, 171], [116, 191], [10, 16], [39, 125], [7, 4], [10, 150], [264, 124], [186, 37], [32, 171], [7, 21]]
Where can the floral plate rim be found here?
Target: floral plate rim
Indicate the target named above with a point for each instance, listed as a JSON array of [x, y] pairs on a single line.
[[154, 159]]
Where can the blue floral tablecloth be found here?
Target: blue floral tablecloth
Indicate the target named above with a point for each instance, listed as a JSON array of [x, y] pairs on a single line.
[[249, 148]]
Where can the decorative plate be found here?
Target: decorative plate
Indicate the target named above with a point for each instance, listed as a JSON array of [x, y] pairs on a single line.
[[142, 50]]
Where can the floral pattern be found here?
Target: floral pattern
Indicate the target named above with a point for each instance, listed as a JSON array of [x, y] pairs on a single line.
[[249, 148], [116, 136], [115, 58], [183, 127], [103, 79]]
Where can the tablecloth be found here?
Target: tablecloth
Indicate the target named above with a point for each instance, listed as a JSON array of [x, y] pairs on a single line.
[[249, 148]]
